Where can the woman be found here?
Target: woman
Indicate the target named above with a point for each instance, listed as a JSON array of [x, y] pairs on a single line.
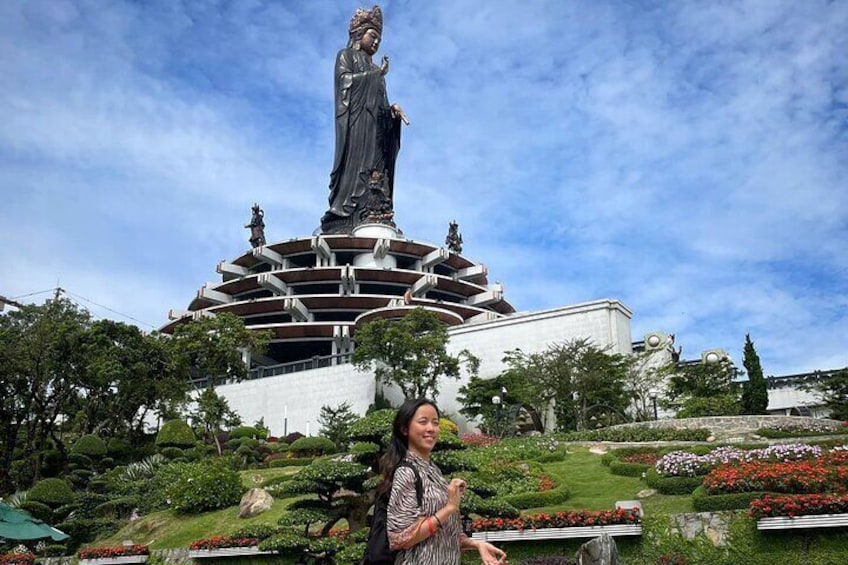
[[430, 534]]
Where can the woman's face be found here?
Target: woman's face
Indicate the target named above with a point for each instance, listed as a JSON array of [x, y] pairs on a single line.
[[370, 41], [423, 431]]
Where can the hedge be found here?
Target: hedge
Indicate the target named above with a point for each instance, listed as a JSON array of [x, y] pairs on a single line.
[[52, 492], [172, 453], [290, 462], [90, 445], [199, 487], [628, 469], [79, 460], [538, 499], [175, 433], [636, 434], [312, 446], [703, 502], [672, 485]]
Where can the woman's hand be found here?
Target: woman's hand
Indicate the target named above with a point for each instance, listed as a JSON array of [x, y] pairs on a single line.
[[491, 555], [456, 489], [397, 112], [384, 68]]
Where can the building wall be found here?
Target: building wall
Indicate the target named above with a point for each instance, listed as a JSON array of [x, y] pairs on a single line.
[[604, 322]]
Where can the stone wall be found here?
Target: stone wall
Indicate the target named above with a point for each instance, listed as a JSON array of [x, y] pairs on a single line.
[[724, 427]]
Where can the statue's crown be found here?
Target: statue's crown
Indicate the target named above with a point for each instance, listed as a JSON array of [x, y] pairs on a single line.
[[363, 20]]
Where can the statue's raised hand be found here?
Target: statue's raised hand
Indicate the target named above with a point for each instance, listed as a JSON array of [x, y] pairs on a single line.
[[397, 112], [384, 68]]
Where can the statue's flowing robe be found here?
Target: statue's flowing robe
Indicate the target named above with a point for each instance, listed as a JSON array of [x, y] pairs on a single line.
[[367, 136]]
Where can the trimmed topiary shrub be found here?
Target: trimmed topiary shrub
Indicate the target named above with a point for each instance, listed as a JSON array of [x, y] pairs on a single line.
[[79, 461], [244, 431], [37, 510], [672, 485], [52, 492], [175, 433], [552, 457], [90, 445], [489, 507], [200, 487], [172, 453], [292, 437], [117, 507], [704, 502], [53, 550], [538, 499], [312, 446], [119, 449]]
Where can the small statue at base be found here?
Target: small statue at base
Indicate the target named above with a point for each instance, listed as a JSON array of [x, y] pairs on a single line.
[[379, 207], [257, 226], [454, 238]]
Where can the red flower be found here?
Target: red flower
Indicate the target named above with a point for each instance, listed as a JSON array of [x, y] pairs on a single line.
[[219, 542], [119, 551]]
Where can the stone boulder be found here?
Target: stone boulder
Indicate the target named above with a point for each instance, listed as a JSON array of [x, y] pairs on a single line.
[[255, 501], [600, 551]]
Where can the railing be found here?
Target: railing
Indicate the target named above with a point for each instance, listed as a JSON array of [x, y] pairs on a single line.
[[316, 362]]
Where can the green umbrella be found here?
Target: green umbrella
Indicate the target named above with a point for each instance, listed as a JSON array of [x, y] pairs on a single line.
[[17, 525]]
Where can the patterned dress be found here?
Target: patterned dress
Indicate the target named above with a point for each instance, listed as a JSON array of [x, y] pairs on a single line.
[[403, 514]]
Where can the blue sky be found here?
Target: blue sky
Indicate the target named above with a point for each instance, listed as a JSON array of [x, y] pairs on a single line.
[[687, 158]]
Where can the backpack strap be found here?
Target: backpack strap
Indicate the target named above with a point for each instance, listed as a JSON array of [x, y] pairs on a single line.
[[419, 485]]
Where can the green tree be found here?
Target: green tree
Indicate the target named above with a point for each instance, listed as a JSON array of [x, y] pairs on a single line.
[[410, 353], [211, 415], [210, 349], [702, 389], [476, 399], [123, 375], [335, 423], [39, 353], [754, 390], [582, 383], [834, 392]]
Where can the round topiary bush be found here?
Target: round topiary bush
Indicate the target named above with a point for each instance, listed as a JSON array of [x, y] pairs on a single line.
[[90, 445], [37, 510], [119, 449], [312, 446], [200, 487], [52, 492], [175, 433], [79, 461], [244, 431], [172, 453]]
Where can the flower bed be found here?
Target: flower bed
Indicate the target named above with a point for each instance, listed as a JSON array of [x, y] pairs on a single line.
[[798, 505], [581, 523], [16, 558], [686, 464], [137, 553], [219, 542], [825, 474]]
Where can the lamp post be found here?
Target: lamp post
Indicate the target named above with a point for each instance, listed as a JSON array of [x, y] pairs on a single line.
[[653, 396], [496, 400]]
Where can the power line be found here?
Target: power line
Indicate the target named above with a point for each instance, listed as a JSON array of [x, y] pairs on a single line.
[[127, 316], [59, 290]]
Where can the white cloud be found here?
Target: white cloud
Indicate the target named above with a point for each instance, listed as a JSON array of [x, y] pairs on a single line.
[[688, 158]]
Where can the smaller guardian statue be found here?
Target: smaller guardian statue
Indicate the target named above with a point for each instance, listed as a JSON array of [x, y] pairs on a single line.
[[257, 227], [454, 238]]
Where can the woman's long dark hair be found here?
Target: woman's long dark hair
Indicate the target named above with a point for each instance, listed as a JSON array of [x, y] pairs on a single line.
[[400, 443]]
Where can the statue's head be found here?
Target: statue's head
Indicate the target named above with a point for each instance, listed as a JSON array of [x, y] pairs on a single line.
[[366, 29]]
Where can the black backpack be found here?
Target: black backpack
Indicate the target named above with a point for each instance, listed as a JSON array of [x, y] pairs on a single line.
[[377, 551]]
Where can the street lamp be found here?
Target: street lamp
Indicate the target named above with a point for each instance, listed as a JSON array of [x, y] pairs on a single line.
[[653, 395]]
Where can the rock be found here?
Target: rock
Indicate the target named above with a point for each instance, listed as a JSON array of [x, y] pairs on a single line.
[[711, 439], [600, 551], [645, 493], [255, 501]]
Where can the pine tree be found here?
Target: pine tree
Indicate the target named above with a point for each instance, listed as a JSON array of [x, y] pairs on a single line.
[[754, 391]]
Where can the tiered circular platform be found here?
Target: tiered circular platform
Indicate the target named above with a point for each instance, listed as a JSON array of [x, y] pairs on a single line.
[[313, 293]]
